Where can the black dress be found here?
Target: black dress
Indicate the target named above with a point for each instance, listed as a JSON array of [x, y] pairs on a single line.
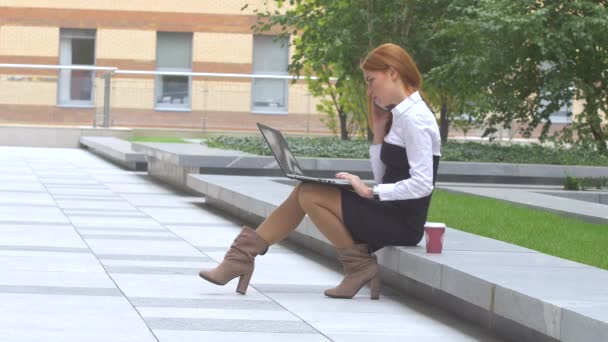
[[388, 223]]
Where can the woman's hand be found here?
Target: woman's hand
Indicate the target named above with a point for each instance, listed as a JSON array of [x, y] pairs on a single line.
[[360, 188], [379, 114], [380, 118]]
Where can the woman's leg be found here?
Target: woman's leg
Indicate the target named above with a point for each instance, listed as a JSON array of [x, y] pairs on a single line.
[[323, 204], [283, 220]]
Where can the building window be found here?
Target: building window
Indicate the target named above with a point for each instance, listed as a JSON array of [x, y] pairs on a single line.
[[270, 57], [563, 115], [76, 47], [173, 54]]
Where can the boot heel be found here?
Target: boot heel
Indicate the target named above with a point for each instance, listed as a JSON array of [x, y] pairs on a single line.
[[243, 283], [375, 286]]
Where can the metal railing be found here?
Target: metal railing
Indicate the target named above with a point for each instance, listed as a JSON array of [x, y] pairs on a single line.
[[104, 89]]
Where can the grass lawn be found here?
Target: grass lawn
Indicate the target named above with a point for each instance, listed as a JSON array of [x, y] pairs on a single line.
[[159, 139], [549, 233]]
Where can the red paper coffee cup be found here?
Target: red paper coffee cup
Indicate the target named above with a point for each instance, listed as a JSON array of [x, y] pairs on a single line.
[[434, 232]]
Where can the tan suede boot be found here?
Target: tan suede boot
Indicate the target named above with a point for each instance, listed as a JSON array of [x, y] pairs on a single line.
[[239, 261], [360, 268]]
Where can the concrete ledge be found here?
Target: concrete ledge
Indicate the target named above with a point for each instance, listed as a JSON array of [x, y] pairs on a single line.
[[182, 159], [507, 173], [171, 163], [591, 196], [116, 150], [514, 291]]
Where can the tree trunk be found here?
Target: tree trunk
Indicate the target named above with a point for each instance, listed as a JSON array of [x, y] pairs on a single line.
[[601, 145], [444, 121], [599, 137], [343, 128], [594, 121]]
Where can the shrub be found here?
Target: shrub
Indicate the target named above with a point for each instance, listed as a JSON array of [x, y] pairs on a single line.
[[331, 147], [571, 183]]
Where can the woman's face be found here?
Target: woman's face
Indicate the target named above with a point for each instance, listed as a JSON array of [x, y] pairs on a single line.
[[378, 85]]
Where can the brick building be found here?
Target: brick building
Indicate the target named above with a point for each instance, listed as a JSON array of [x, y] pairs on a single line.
[[149, 35]]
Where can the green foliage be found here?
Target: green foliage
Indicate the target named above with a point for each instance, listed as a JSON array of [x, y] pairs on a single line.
[[526, 59], [571, 183], [325, 147], [520, 154], [585, 183], [503, 62], [465, 123], [331, 36], [452, 151], [595, 183], [542, 231], [328, 41]]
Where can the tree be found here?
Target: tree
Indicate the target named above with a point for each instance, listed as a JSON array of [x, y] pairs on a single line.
[[331, 36], [452, 97], [325, 47], [526, 59]]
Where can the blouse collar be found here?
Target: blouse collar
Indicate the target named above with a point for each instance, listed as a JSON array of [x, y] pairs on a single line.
[[406, 104]]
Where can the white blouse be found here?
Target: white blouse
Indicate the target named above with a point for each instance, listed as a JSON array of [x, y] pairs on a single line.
[[415, 129]]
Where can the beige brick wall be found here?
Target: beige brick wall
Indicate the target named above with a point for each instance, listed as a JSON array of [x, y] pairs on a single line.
[[28, 90], [206, 95], [126, 44], [29, 41], [222, 47], [292, 49], [132, 93], [141, 45], [300, 100], [139, 94], [577, 108], [221, 96], [236, 96], [187, 6]]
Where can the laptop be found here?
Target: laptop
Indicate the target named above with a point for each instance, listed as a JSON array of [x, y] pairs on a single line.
[[288, 163]]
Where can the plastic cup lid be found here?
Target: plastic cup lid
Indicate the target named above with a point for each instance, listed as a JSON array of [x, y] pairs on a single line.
[[434, 225]]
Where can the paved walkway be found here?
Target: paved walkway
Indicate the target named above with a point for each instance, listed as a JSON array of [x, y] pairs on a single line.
[[90, 252]]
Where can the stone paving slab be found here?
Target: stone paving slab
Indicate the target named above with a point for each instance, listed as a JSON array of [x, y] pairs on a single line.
[[519, 285], [114, 265]]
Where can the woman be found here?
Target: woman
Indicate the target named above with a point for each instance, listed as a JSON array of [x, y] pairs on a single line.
[[404, 155]]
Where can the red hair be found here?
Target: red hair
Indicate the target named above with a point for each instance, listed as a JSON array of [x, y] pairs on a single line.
[[385, 57]]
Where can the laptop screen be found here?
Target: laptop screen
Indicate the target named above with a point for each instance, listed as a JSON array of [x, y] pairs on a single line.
[[281, 151]]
